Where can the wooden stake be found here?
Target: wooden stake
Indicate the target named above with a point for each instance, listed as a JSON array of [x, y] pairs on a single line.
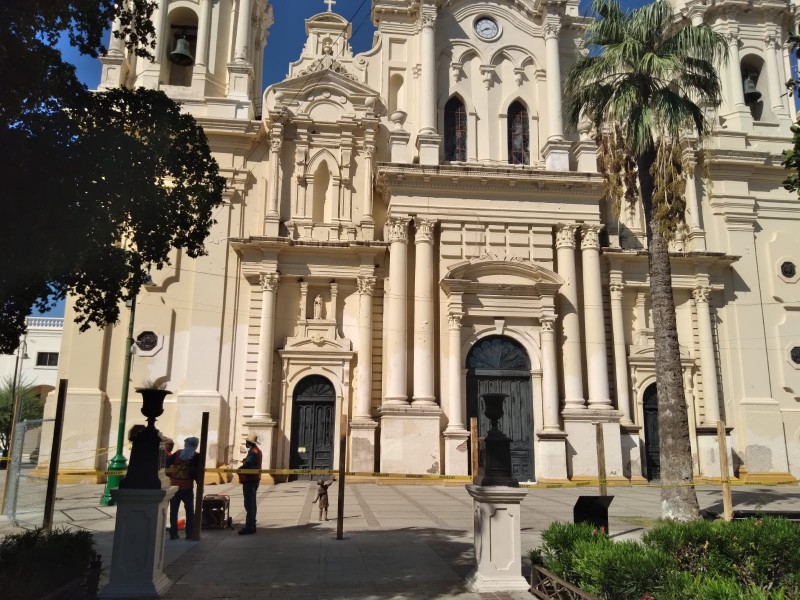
[[55, 456], [725, 479], [15, 414], [601, 459], [473, 445], [342, 466], [201, 481]]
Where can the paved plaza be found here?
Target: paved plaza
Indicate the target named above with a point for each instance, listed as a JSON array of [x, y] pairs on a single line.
[[400, 541]]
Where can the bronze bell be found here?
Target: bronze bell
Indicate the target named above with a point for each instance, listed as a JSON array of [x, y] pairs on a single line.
[[181, 55], [751, 94]]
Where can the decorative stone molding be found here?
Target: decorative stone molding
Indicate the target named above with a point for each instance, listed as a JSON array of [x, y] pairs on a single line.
[[456, 70], [565, 235], [427, 20], [397, 229], [487, 75], [269, 281], [590, 237], [787, 270], [454, 321], [616, 288], [519, 76], [368, 150], [366, 284], [552, 27], [701, 294], [425, 230], [547, 321]]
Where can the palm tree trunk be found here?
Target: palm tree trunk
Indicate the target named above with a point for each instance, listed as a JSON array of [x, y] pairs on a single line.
[[678, 497]]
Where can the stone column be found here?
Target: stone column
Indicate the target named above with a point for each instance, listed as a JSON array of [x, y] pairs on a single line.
[[455, 377], [549, 374], [272, 216], [596, 354], [776, 89], [697, 236], [739, 116], [243, 31], [369, 151], [570, 317], [427, 138], [423, 314], [203, 34], [556, 150], [620, 355], [362, 426], [303, 299], [266, 335], [708, 364], [396, 342]]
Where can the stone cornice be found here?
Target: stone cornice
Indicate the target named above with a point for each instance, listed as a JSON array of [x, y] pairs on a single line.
[[697, 258], [481, 177], [215, 126]]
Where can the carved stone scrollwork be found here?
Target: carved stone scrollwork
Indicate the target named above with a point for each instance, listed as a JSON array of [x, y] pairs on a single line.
[[616, 288], [565, 236], [427, 20], [771, 41], [366, 284], [733, 39], [369, 151], [275, 145], [269, 281], [454, 321], [548, 322], [590, 237], [425, 229], [701, 294], [552, 28], [398, 229]]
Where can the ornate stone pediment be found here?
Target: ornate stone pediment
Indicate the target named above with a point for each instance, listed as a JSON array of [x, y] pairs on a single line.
[[491, 269], [317, 335]]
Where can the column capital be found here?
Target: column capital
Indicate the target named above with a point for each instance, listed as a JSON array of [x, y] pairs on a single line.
[[275, 144], [547, 321], [616, 288], [732, 37], [565, 235], [425, 229], [398, 229], [552, 27], [427, 18], [771, 41], [454, 321], [366, 284], [701, 294], [269, 281], [590, 237], [368, 150]]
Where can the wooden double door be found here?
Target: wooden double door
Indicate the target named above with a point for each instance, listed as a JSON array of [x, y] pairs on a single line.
[[498, 364], [313, 426], [652, 452]]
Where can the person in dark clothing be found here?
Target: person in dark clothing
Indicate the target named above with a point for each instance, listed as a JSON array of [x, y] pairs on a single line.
[[250, 482], [183, 469]]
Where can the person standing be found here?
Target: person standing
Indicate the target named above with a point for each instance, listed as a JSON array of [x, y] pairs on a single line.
[[183, 469], [322, 496], [250, 482]]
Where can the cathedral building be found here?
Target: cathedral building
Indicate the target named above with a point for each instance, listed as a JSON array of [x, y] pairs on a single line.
[[410, 227]]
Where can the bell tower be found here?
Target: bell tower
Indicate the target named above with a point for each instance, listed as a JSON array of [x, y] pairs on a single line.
[[209, 55]]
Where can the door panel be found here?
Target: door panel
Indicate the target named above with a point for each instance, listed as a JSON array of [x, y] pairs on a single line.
[[651, 437], [313, 427]]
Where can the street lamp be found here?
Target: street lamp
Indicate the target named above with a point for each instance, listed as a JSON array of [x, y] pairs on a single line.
[[118, 463]]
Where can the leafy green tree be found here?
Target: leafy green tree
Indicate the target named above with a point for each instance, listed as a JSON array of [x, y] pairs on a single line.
[[642, 84], [32, 407], [98, 187]]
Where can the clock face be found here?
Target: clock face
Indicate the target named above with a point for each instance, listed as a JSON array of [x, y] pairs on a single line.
[[486, 28]]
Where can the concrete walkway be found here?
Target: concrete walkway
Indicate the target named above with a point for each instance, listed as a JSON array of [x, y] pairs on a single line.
[[400, 541]]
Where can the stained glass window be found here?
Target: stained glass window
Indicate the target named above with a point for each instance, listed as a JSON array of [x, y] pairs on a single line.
[[455, 130], [518, 135]]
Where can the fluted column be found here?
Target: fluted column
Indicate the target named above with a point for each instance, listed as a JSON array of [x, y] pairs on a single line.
[[243, 31], [620, 355], [266, 335], [552, 28], [734, 71], [423, 314], [203, 34], [549, 373], [427, 96], [366, 287], [159, 22], [708, 364], [771, 45], [455, 376], [274, 173], [396, 344], [570, 317], [369, 151], [596, 354]]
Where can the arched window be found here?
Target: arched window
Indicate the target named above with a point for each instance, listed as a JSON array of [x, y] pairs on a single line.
[[455, 130], [518, 135]]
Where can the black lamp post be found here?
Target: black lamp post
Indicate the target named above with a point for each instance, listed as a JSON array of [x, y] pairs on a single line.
[[494, 461], [143, 469]]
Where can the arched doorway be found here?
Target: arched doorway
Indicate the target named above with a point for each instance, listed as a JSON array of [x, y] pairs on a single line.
[[651, 440], [499, 364], [313, 425]]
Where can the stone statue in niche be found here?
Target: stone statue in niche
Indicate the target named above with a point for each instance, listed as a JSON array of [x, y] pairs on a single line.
[[318, 307]]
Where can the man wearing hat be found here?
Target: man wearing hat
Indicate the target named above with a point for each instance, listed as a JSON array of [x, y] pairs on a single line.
[[250, 482], [183, 469]]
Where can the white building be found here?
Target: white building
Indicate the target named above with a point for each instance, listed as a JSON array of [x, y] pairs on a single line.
[[35, 361], [412, 226]]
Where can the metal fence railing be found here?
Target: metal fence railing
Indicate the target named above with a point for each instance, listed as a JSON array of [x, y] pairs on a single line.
[[26, 488]]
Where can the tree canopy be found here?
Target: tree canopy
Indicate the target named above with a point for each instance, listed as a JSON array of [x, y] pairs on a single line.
[[98, 186]]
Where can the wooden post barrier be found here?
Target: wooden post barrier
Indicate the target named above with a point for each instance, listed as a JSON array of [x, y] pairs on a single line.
[[601, 459], [342, 467], [725, 478], [55, 456], [201, 481], [473, 445]]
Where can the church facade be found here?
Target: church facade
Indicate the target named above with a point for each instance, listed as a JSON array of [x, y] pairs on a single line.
[[410, 227]]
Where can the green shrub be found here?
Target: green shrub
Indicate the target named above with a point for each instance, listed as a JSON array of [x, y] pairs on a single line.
[[620, 570], [558, 545], [35, 563], [714, 587]]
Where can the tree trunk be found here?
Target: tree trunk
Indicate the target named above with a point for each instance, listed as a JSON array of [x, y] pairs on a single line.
[[678, 497]]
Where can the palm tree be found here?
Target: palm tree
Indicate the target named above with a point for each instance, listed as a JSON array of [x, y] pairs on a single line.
[[645, 83]]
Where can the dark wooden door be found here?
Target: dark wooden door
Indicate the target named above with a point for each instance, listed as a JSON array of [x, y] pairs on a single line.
[[500, 365], [651, 439], [313, 425]]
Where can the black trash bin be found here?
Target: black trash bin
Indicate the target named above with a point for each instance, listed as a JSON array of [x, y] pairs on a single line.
[[592, 509]]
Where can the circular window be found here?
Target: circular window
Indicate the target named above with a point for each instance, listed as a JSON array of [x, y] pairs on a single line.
[[486, 28], [795, 354], [147, 341], [788, 269]]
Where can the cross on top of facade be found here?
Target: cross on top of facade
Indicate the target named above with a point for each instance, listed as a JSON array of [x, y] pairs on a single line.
[[330, 4]]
